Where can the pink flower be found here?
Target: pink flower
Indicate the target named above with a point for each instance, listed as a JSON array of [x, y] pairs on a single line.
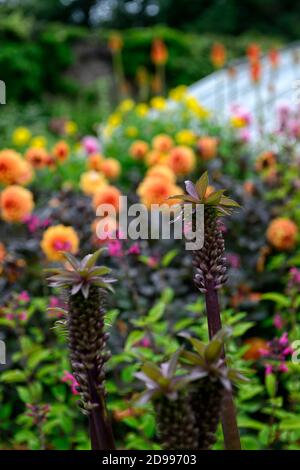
[[32, 222], [9, 316], [283, 340], [245, 135], [23, 316], [152, 261], [54, 302], [115, 248], [283, 367], [287, 351], [295, 275], [268, 369], [264, 352], [45, 223], [146, 343], [90, 144], [278, 322], [62, 246], [134, 249], [70, 379], [24, 296], [234, 260]]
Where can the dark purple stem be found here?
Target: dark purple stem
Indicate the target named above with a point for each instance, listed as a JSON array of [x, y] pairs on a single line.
[[100, 428], [229, 423]]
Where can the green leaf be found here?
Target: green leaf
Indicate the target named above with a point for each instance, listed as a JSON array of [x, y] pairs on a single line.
[[214, 198], [276, 262], [156, 312], [152, 371], [227, 201], [38, 356], [134, 337], [12, 376], [24, 394], [290, 424], [198, 345], [248, 423], [94, 257], [5, 322], [202, 185], [213, 350], [280, 299], [240, 329], [167, 295], [71, 259], [271, 385], [167, 259]]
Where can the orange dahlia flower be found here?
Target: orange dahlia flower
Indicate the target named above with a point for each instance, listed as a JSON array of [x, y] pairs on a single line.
[[155, 190], [138, 149], [282, 233], [61, 151], [162, 143], [208, 147], [58, 239], [111, 168], [162, 171], [92, 181], [10, 166], [26, 173], [181, 160], [37, 157], [103, 230], [15, 203], [107, 195], [154, 157], [95, 161]]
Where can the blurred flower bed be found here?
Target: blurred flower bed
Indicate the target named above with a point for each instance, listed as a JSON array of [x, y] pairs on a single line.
[[51, 185]]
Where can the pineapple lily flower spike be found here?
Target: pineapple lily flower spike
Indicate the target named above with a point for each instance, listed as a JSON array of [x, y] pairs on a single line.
[[210, 275], [207, 394], [167, 389], [86, 291]]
